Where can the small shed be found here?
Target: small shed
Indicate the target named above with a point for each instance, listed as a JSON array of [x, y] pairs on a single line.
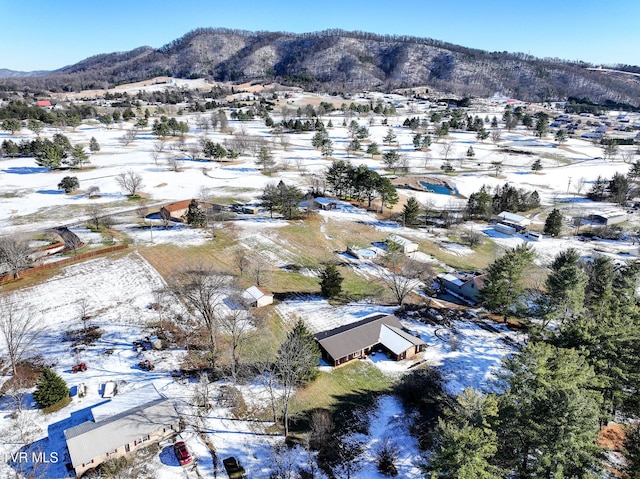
[[250, 209], [325, 203], [512, 219], [533, 235], [257, 296], [405, 245]]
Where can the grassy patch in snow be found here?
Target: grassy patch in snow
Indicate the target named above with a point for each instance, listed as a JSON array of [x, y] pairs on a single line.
[[483, 255], [356, 287], [343, 387], [169, 258]]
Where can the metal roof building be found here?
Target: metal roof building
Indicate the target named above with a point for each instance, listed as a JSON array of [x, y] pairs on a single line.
[[93, 442]]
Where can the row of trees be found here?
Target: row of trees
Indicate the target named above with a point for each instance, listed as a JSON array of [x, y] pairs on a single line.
[[360, 183], [54, 153], [282, 198], [483, 203], [541, 423]]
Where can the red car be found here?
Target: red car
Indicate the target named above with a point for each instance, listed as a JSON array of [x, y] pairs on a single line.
[[182, 453]]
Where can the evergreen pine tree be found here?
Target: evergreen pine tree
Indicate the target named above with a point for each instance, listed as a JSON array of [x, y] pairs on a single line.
[[410, 211], [330, 282], [194, 215], [503, 288], [464, 441], [50, 389], [566, 284], [536, 165], [548, 414], [94, 146], [553, 223]]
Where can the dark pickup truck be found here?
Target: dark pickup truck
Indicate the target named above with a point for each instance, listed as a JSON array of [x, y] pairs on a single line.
[[233, 468]]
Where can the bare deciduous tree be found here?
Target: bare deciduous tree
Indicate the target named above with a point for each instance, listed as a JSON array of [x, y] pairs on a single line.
[[201, 288], [19, 329], [295, 366], [130, 181], [241, 260], [92, 191], [15, 255], [401, 274], [447, 147], [95, 213], [165, 217], [158, 147], [284, 461], [173, 163], [237, 324], [496, 135], [260, 270], [129, 137], [83, 312]]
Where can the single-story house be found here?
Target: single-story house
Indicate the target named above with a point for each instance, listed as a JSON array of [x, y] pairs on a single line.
[[467, 285], [178, 209], [257, 296], [357, 340], [43, 103], [120, 427], [517, 221], [325, 203], [405, 245]]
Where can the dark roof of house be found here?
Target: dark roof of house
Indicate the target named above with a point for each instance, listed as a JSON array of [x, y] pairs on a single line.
[[347, 339]]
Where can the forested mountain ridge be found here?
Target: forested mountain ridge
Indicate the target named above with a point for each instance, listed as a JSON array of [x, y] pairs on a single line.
[[336, 60]]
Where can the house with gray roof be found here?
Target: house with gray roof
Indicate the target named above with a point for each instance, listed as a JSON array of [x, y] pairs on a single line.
[[111, 436], [359, 339], [465, 285]]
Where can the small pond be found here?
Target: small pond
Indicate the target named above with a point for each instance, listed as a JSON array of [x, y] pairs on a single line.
[[439, 189]]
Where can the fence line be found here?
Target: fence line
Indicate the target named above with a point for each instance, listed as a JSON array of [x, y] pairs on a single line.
[[6, 278]]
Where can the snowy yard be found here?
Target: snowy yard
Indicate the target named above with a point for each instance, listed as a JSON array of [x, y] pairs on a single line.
[[116, 292]]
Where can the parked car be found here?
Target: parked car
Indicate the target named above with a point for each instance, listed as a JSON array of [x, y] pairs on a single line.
[[182, 453], [234, 468]]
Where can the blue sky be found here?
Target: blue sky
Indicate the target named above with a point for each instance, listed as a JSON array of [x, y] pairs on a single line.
[[49, 34]]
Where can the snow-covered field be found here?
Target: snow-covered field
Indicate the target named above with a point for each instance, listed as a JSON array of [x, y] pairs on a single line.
[[118, 292]]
